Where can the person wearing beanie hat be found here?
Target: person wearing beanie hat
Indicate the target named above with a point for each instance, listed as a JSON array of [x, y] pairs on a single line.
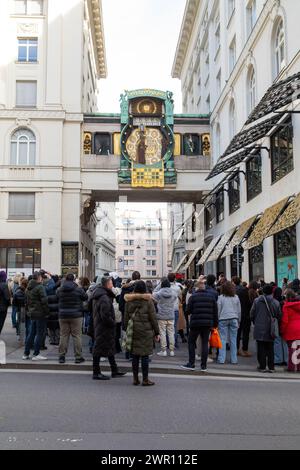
[[4, 298]]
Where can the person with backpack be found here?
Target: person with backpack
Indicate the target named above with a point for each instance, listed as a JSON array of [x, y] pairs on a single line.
[[265, 314], [4, 298], [140, 310], [19, 301]]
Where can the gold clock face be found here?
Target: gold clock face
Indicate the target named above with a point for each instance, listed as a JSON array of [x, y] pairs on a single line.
[[153, 142]]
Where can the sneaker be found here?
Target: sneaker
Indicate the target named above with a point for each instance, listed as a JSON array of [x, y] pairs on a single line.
[[103, 359], [204, 369], [162, 353], [172, 354], [39, 357], [100, 377], [271, 371], [263, 371], [210, 361], [188, 366], [198, 358], [79, 360], [25, 357]]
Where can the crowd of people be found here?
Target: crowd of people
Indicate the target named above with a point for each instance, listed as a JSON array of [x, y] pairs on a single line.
[[132, 316]]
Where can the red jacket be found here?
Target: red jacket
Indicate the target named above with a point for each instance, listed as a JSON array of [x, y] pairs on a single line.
[[290, 322]]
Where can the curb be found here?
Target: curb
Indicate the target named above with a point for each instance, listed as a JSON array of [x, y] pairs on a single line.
[[156, 370]]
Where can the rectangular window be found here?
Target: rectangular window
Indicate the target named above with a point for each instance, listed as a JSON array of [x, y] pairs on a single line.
[[131, 252], [148, 242], [125, 252], [282, 161], [256, 263], [28, 7], [286, 265], [131, 242], [148, 273], [126, 242], [232, 55], [234, 193], [253, 175], [131, 262], [148, 253], [102, 144], [148, 262], [21, 206], [153, 252], [26, 94], [220, 205], [191, 144], [153, 262], [69, 254], [153, 273], [251, 16], [231, 7], [153, 242], [208, 219], [27, 50]]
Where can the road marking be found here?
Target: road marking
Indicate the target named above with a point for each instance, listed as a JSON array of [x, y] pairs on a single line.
[[163, 376]]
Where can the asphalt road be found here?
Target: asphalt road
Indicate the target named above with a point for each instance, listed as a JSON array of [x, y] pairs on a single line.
[[42, 410]]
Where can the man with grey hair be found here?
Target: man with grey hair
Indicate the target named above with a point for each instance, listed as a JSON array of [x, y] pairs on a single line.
[[103, 328]]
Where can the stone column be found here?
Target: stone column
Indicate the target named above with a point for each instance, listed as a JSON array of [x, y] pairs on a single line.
[[269, 262]]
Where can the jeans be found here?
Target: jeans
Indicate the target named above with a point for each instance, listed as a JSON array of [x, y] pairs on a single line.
[[280, 351], [72, 327], [35, 337], [228, 327], [194, 333], [265, 352], [145, 366], [166, 327], [14, 316]]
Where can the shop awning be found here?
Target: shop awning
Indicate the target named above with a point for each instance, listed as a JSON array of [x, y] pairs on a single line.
[[180, 263], [289, 218], [239, 235], [192, 257], [264, 225], [208, 250], [217, 251]]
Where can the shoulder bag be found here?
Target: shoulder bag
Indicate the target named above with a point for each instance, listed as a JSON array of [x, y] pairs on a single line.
[[274, 329]]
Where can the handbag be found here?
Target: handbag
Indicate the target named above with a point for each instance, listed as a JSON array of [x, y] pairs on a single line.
[[215, 340], [274, 329], [127, 341]]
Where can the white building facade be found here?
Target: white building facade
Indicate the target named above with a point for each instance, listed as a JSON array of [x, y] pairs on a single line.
[[105, 238], [141, 242], [240, 61], [53, 57]]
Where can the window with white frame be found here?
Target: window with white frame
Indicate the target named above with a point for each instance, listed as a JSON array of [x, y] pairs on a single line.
[[217, 34], [250, 16], [251, 89], [232, 54], [26, 92], [217, 141], [231, 7], [232, 119], [280, 61], [21, 206], [218, 84], [23, 148], [27, 49], [28, 7]]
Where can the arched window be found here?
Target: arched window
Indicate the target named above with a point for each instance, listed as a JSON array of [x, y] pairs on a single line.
[[279, 48], [232, 120], [251, 90], [23, 148]]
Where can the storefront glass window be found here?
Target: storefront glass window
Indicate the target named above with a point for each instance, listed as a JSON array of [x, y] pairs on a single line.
[[286, 255], [256, 263]]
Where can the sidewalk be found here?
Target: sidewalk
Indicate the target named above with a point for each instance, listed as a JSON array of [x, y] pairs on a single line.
[[167, 365]]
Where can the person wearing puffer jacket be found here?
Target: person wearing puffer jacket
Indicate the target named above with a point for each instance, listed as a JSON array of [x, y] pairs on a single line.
[[165, 299], [290, 329]]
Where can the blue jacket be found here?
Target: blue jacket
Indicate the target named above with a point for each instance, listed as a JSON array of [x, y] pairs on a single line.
[[165, 299]]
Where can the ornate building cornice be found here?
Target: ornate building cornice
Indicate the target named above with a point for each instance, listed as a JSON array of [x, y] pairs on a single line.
[[96, 15], [187, 25]]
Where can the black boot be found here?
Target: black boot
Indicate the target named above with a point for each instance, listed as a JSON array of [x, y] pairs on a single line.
[[114, 368], [96, 370]]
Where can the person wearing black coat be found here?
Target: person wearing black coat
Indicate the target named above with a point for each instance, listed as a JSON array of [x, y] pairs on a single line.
[[19, 302], [103, 329], [245, 325], [262, 309], [203, 311], [70, 312], [4, 299]]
